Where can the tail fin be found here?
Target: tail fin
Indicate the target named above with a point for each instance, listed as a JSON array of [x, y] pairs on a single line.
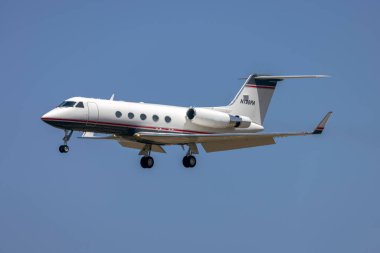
[[253, 98], [255, 95]]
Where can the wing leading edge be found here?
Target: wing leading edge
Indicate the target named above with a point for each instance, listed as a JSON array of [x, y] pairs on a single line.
[[221, 142]]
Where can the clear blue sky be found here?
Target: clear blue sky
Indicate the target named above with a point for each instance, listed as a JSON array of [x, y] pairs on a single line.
[[306, 194]]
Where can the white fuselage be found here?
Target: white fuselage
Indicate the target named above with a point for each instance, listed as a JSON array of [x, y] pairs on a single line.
[[149, 127], [115, 117]]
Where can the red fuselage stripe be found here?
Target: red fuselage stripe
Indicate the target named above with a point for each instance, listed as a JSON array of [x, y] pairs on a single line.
[[124, 125]]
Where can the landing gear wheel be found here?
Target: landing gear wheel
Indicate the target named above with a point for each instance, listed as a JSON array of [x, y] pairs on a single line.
[[189, 161], [185, 162], [64, 149], [192, 161], [147, 162]]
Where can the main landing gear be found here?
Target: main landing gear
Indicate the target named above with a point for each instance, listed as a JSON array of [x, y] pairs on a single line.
[[146, 161], [189, 161], [64, 148]]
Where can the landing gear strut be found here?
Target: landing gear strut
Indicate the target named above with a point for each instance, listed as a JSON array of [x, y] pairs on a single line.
[[189, 161], [64, 148], [146, 161]]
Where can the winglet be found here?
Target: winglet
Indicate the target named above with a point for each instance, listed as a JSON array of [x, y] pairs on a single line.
[[321, 125]]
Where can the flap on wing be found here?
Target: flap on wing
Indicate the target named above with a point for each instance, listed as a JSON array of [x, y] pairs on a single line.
[[137, 145], [236, 144]]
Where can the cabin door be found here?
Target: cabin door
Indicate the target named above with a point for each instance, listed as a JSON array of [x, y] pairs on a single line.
[[93, 113]]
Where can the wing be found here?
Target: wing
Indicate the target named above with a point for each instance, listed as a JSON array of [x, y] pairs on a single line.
[[214, 142], [221, 142]]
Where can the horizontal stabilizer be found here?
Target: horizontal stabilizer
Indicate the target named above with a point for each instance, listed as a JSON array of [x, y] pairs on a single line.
[[268, 77]]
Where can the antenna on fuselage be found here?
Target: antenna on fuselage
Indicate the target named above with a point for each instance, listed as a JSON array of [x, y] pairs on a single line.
[[112, 97]]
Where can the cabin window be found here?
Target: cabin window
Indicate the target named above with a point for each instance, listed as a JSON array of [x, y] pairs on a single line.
[[131, 115], [118, 114], [168, 119], [67, 104], [155, 118], [80, 105], [142, 116]]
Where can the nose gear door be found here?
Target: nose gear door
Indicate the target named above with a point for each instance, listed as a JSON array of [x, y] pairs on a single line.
[[93, 113]]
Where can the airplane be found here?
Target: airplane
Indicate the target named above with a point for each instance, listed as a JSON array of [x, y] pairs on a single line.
[[150, 127]]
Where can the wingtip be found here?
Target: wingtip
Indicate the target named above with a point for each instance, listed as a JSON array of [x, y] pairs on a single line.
[[321, 126]]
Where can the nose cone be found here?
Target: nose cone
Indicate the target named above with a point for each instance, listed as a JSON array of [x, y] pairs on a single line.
[[51, 117], [44, 117], [47, 116]]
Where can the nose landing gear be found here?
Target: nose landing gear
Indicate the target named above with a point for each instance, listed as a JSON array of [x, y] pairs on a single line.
[[64, 148]]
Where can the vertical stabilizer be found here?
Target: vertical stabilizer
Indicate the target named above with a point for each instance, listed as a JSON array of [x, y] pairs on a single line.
[[253, 98]]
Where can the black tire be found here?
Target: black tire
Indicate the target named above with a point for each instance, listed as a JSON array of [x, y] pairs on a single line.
[[192, 161], [143, 162], [64, 149], [149, 162], [185, 162]]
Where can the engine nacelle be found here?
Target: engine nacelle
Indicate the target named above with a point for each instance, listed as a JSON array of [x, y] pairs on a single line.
[[215, 119]]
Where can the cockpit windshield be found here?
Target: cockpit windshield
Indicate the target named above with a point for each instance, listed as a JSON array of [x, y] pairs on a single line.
[[67, 104], [80, 105]]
